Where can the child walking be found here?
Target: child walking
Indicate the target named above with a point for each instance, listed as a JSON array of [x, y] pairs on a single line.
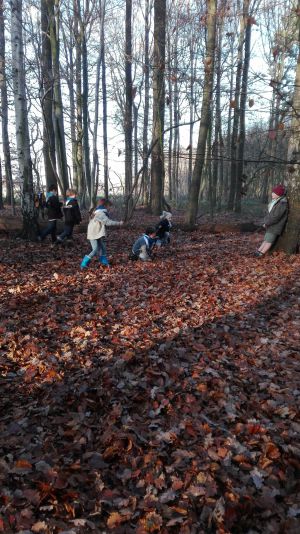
[[96, 233], [72, 215], [54, 214], [274, 222], [163, 228], [142, 247]]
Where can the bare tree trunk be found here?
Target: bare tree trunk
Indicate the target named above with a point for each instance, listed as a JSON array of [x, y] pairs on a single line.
[[175, 124], [192, 114], [128, 108], [79, 182], [157, 162], [1, 188], [47, 99], [242, 133], [58, 120], [145, 176], [236, 114], [192, 210], [289, 242], [4, 115], [22, 130], [85, 117], [170, 105]]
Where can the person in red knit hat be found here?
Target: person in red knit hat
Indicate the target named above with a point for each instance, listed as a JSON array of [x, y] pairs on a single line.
[[275, 221]]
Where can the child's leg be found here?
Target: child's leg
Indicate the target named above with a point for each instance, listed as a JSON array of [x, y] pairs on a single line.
[[95, 248], [67, 232], [102, 246]]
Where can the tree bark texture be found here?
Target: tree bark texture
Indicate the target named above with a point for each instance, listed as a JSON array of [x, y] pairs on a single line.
[[192, 210], [4, 114], [157, 161], [289, 242], [21, 119], [128, 129], [47, 99]]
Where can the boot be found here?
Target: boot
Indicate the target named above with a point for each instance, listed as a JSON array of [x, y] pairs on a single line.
[[104, 261], [86, 260]]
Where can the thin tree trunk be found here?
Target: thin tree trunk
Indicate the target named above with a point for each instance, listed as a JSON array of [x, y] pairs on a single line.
[[47, 99], [192, 210], [58, 120], [128, 107], [170, 105], [242, 133], [157, 162], [79, 182], [4, 115], [145, 176], [85, 117], [236, 115]]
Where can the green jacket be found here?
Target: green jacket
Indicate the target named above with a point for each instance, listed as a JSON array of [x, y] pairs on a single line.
[[276, 219]]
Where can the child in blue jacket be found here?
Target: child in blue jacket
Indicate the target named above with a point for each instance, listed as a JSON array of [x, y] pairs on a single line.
[[142, 247]]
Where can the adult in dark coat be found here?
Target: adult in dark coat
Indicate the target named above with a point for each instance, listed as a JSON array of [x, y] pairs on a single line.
[[275, 220]]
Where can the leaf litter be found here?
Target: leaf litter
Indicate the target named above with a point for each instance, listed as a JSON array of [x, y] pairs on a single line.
[[156, 397]]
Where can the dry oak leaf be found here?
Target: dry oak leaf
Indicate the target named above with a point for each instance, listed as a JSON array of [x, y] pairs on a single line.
[[115, 519], [23, 464], [152, 522]]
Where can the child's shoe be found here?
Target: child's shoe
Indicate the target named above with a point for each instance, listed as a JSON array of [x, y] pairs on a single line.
[[86, 260], [258, 254], [104, 261]]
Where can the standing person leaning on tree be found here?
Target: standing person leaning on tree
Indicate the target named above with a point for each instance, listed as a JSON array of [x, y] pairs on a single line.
[[275, 221]]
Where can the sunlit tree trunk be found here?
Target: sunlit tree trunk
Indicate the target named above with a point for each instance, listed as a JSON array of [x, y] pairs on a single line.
[[192, 210], [157, 162], [21, 119]]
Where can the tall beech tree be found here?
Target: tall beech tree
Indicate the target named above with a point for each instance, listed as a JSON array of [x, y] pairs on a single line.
[[21, 120], [192, 210], [4, 113], [157, 161]]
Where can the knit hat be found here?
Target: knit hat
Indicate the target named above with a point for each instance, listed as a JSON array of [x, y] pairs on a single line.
[[279, 190], [166, 215]]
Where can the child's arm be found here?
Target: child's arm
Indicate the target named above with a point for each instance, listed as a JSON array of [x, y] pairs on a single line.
[[102, 217]]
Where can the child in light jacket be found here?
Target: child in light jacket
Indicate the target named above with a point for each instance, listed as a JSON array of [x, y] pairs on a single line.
[[275, 220], [96, 233]]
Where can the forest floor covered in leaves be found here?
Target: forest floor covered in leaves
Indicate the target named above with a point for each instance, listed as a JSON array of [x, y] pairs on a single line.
[[158, 397]]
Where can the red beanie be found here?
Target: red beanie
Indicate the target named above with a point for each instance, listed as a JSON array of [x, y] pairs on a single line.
[[279, 190]]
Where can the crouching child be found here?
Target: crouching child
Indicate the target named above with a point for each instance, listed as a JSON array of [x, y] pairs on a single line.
[[96, 233], [163, 228], [143, 246]]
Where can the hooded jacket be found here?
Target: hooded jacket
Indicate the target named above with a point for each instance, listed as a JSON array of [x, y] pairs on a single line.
[[96, 227]]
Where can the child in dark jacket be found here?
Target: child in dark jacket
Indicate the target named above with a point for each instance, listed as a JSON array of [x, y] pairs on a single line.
[[142, 247], [275, 220], [72, 215], [163, 228], [54, 214]]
